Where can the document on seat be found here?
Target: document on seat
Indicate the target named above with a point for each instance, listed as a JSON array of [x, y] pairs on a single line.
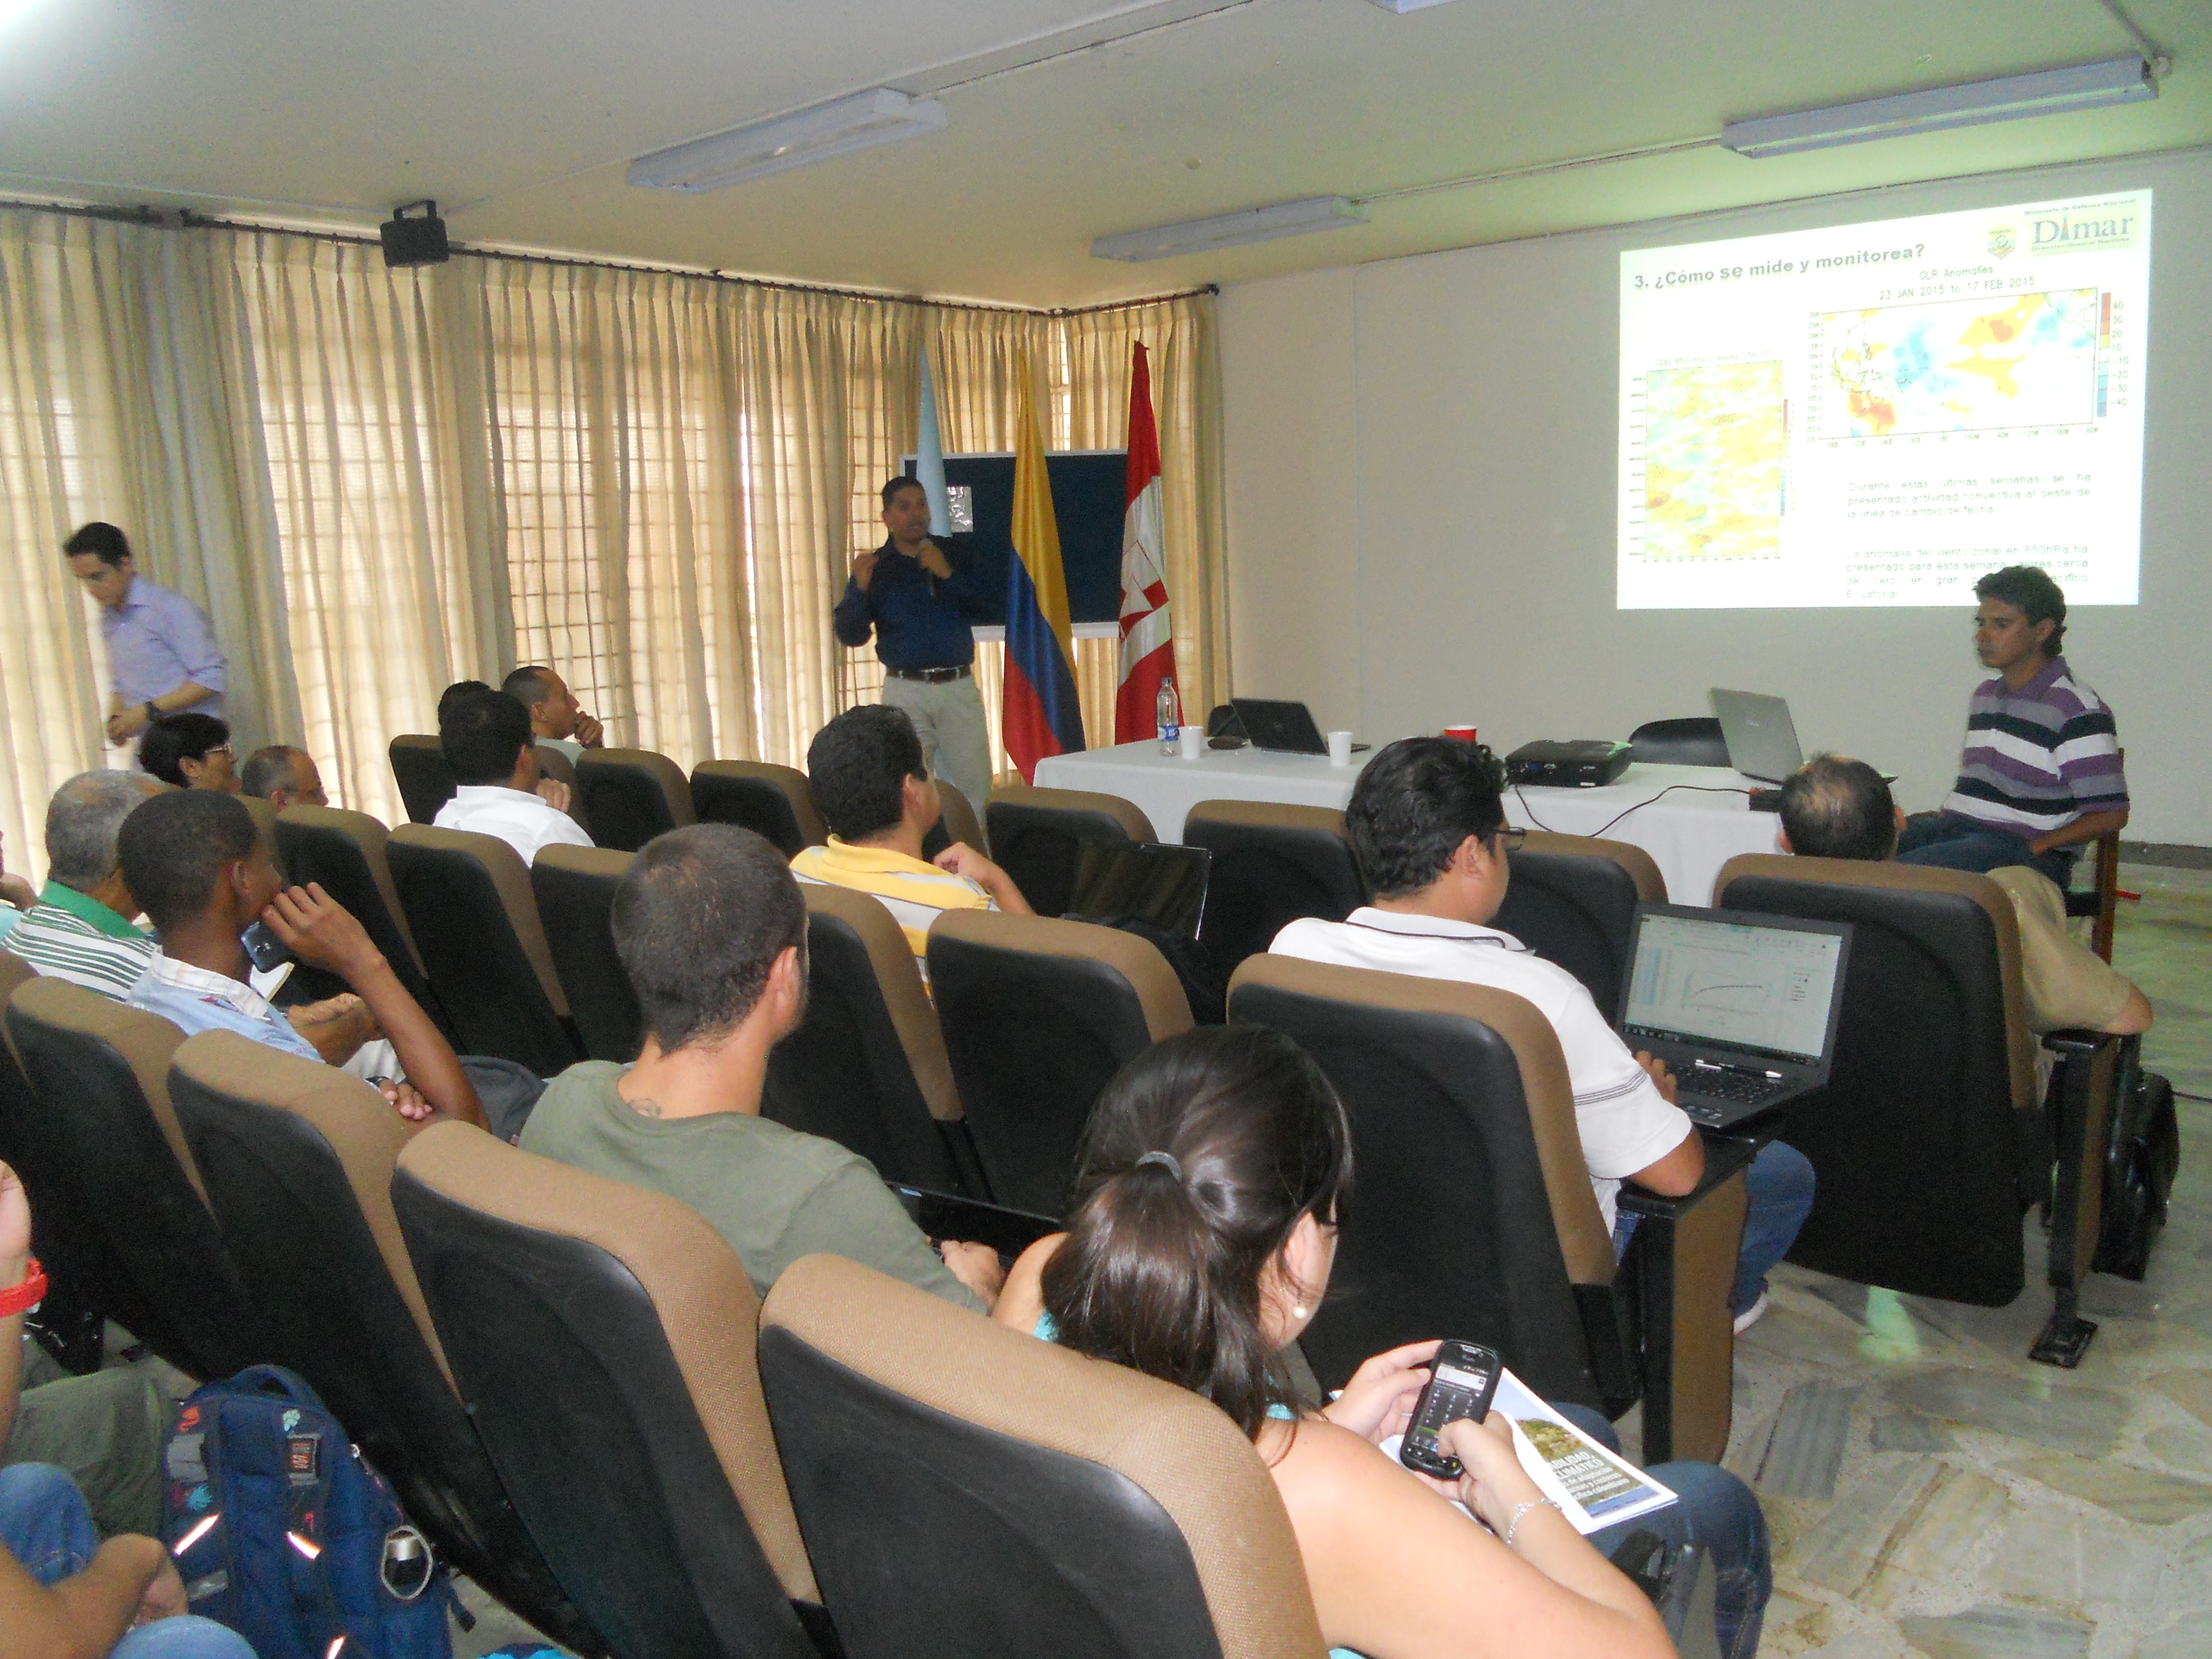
[[1594, 1488]]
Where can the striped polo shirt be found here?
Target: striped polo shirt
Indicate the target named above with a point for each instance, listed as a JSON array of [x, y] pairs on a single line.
[[916, 892], [2038, 757], [67, 935]]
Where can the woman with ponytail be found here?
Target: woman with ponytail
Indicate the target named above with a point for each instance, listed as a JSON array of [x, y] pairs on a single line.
[[1199, 1247]]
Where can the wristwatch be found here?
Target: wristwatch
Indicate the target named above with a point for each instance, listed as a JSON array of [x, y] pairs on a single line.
[[152, 712]]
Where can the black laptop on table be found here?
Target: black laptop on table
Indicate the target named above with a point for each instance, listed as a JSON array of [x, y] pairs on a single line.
[[1287, 728], [1741, 1007]]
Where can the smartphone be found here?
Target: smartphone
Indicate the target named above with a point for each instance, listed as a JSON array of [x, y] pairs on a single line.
[[1462, 1377], [267, 950]]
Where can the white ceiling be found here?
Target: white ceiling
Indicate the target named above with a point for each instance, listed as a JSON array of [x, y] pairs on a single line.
[[519, 116]]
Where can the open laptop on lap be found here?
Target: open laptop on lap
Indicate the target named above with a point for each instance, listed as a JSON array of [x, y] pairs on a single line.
[[1741, 1007], [1164, 884]]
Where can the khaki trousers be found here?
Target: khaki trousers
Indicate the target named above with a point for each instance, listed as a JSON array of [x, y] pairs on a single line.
[[955, 742]]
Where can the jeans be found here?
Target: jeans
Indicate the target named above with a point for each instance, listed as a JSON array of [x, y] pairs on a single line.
[[1717, 1510], [1951, 840], [44, 1525], [1778, 1187]]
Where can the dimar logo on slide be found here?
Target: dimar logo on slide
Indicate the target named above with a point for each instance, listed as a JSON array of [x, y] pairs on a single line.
[[2003, 239]]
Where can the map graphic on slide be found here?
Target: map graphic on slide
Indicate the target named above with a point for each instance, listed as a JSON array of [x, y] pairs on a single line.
[[1714, 444], [1962, 366]]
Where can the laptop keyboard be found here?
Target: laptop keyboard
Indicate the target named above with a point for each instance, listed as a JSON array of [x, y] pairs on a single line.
[[1733, 1087]]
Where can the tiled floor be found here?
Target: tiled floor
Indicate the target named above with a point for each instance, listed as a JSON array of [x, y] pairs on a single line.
[[1933, 1492]]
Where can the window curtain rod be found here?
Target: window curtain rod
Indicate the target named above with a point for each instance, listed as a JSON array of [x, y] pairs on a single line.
[[185, 219]]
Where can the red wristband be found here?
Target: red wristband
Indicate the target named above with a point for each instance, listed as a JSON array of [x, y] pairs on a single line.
[[22, 1298]]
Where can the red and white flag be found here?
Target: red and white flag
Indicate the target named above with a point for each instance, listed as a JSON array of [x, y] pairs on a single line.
[[1147, 625]]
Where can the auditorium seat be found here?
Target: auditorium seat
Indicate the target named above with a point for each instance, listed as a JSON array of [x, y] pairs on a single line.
[[866, 1068], [555, 766], [1035, 835], [1037, 1015], [87, 1282], [1222, 720], [774, 801], [344, 853], [298, 1160], [1271, 863], [631, 795], [1473, 1212], [468, 902], [1695, 740], [958, 821], [1928, 1140], [1572, 899], [966, 1489], [603, 1337], [264, 814], [574, 887], [426, 782], [99, 1071]]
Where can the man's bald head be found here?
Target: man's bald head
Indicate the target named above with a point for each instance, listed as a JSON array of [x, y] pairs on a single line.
[[1835, 807], [283, 776], [83, 820]]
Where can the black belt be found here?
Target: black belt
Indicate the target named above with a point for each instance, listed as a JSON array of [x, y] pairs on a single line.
[[930, 676]]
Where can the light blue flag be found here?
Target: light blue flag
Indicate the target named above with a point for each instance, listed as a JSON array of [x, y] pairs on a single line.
[[929, 456]]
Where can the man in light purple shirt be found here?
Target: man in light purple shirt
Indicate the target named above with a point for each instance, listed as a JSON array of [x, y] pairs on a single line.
[[161, 653]]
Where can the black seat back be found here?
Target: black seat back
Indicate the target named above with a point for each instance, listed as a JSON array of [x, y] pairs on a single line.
[[298, 1158], [100, 1071], [603, 1335], [1273, 864], [1572, 899], [1038, 1014], [1926, 1140], [574, 887], [770, 800], [967, 1489], [344, 853], [631, 795], [956, 822], [469, 905], [866, 1068], [1473, 1211], [1035, 835], [1694, 741], [426, 782]]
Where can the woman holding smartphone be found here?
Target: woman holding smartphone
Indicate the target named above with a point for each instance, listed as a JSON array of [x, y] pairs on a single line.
[[1200, 1248]]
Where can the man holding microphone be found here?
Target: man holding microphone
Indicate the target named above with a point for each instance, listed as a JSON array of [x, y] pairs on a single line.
[[922, 598], [161, 653]]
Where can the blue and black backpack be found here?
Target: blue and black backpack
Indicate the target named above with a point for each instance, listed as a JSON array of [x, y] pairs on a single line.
[[282, 1532]]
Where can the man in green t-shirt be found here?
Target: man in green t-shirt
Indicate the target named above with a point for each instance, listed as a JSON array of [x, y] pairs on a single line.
[[711, 930]]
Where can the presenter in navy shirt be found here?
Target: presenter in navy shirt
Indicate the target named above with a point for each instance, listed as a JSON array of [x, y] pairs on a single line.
[[922, 598]]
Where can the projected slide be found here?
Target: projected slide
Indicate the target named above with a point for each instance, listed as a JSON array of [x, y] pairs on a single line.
[[1879, 414]]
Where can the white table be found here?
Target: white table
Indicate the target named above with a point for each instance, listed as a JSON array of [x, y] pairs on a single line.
[[1167, 786], [1689, 835]]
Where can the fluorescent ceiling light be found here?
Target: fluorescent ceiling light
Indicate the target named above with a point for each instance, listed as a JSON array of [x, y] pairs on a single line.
[[881, 117], [2048, 92], [1401, 7], [1261, 224]]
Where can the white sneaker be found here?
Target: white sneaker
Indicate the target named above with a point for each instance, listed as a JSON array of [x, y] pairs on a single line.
[[1749, 1316]]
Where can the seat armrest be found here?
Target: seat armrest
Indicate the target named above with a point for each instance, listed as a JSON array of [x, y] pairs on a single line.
[[1685, 1256], [1724, 1156], [2078, 1111]]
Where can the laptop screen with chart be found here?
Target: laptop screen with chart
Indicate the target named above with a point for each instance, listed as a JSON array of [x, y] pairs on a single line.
[[1742, 1007]]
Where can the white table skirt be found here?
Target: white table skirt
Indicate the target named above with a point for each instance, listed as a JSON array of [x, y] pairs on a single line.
[[1689, 835]]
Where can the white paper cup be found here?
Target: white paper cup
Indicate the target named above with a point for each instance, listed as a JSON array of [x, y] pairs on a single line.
[[1193, 738], [1340, 748]]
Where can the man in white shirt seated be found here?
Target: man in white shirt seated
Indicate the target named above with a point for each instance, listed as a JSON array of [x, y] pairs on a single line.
[[487, 743], [1427, 819]]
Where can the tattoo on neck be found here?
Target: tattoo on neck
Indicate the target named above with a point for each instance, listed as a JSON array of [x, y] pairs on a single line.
[[646, 1108]]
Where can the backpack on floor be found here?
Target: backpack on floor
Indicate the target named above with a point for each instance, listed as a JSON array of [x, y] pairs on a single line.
[[2141, 1156], [282, 1532]]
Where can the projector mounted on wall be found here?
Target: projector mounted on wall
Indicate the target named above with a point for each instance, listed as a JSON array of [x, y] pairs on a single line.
[[844, 124]]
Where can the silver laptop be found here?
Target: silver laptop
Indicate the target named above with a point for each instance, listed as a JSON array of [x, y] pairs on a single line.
[[1741, 1007], [1762, 741]]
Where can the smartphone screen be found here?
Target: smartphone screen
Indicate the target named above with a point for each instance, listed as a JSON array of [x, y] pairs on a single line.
[[1459, 1386]]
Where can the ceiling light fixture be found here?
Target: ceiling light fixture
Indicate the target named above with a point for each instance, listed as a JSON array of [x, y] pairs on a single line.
[[2048, 92], [843, 125], [1401, 7], [1260, 224]]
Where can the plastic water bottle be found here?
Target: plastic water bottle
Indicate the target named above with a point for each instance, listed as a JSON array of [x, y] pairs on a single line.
[[1169, 712]]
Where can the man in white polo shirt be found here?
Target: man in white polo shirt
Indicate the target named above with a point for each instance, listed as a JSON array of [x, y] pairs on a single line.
[[489, 743], [1427, 819]]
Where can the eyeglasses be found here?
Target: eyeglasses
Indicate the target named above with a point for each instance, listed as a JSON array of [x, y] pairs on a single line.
[[1514, 838], [222, 749]]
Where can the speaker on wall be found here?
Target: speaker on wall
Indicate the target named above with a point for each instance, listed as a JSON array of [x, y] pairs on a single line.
[[419, 241]]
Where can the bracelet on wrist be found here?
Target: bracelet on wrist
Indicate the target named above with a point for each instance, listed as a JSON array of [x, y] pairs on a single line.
[[1513, 1525], [23, 1297]]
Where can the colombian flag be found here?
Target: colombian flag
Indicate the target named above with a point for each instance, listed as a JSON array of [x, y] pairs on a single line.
[[1040, 715]]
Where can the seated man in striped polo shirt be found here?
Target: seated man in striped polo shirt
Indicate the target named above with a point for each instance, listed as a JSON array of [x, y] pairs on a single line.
[[81, 928], [876, 795], [2039, 775]]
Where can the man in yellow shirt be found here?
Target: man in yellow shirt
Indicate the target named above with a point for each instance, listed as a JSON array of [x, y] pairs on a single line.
[[875, 794]]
